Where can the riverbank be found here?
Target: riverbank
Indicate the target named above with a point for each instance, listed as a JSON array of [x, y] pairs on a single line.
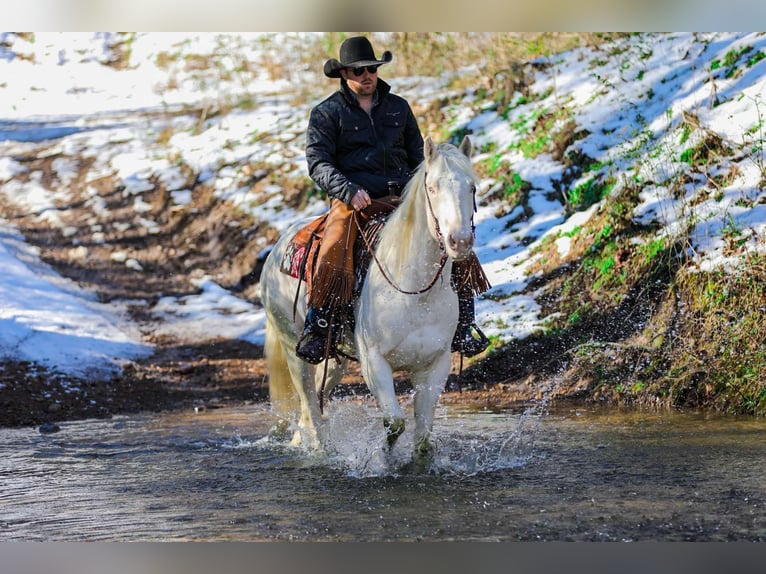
[[620, 216]]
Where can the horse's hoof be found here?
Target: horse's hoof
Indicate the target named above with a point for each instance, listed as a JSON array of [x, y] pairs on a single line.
[[423, 456], [280, 431], [394, 429]]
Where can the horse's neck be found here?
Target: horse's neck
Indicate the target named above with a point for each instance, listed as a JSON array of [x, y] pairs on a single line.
[[411, 264]]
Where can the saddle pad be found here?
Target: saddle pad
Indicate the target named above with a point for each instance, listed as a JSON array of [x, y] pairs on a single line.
[[292, 261]]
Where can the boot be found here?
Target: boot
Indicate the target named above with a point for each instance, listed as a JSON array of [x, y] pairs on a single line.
[[464, 341], [312, 346]]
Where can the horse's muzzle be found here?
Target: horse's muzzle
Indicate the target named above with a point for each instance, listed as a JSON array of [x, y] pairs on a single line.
[[459, 244]]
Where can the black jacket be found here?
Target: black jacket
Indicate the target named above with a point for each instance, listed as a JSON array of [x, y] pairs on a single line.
[[348, 150]]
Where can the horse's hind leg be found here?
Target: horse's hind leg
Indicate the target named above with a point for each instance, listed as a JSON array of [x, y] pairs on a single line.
[[282, 394], [310, 420]]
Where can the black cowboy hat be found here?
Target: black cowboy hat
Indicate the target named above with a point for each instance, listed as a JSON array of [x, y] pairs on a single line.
[[354, 52]]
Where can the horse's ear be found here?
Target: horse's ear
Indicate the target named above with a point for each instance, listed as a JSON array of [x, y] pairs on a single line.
[[429, 149], [466, 147]]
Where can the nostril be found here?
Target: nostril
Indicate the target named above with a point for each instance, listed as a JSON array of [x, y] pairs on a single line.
[[460, 240]]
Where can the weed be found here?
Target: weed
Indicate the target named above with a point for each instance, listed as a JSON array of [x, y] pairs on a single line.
[[493, 164], [711, 147], [650, 250], [755, 58], [514, 185], [730, 61], [574, 318], [589, 192], [686, 131], [573, 232]]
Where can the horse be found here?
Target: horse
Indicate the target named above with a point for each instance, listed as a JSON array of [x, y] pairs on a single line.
[[405, 315]]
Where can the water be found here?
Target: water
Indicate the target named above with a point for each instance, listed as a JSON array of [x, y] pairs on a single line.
[[571, 473]]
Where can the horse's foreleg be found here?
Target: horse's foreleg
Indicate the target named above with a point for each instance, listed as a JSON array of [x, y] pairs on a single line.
[[379, 377], [428, 385], [394, 429]]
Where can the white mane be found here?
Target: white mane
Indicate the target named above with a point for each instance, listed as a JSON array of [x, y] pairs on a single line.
[[396, 236]]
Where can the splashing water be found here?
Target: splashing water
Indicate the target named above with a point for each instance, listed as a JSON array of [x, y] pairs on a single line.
[[466, 443]]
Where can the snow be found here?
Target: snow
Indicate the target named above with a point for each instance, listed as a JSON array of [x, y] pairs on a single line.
[[213, 309], [47, 319], [631, 101]]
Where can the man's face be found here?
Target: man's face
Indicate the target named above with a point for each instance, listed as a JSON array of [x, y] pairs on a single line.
[[361, 80]]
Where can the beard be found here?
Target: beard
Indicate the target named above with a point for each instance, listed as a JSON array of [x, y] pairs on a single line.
[[365, 87]]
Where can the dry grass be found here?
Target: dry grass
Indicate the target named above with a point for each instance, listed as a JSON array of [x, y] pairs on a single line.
[[719, 356]]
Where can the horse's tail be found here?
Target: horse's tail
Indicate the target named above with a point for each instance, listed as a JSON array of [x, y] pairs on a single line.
[[282, 393]]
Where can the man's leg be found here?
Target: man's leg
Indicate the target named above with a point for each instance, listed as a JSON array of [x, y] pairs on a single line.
[[464, 340], [468, 279], [330, 286], [315, 342]]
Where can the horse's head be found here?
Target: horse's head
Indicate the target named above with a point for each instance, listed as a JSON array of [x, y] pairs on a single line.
[[450, 184]]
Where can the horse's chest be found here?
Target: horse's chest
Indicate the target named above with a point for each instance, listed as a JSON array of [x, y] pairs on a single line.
[[422, 313], [412, 330]]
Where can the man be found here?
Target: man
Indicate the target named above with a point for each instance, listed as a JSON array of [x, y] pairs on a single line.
[[362, 144]]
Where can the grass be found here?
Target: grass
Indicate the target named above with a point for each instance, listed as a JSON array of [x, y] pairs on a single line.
[[722, 338], [733, 58], [589, 192]]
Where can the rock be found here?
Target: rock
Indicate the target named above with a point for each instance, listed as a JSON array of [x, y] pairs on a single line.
[[49, 428]]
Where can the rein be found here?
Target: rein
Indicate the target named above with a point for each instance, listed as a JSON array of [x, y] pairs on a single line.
[[442, 260]]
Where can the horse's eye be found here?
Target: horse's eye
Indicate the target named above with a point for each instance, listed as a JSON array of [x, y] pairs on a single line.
[[431, 190]]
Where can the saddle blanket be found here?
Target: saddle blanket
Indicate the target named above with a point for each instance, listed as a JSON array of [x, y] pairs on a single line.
[[305, 246]]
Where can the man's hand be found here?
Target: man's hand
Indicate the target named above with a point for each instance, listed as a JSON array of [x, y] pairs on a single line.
[[360, 200]]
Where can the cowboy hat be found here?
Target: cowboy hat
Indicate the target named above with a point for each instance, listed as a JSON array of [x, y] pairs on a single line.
[[354, 52]]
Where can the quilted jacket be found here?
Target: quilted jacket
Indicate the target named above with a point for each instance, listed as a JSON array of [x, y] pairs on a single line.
[[348, 150]]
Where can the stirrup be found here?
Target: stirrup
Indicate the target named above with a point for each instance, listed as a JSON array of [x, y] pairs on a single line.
[[311, 347], [464, 342]]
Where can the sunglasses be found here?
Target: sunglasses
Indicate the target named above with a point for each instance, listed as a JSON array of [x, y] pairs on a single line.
[[360, 70]]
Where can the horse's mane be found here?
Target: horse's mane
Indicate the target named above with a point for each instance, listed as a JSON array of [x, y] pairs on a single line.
[[396, 238]]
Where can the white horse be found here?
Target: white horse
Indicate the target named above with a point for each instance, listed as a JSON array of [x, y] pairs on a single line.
[[406, 314]]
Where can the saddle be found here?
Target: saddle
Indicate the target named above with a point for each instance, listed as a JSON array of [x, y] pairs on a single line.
[[301, 253], [300, 257]]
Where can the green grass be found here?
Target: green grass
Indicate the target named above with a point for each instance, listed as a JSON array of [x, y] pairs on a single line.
[[591, 191]]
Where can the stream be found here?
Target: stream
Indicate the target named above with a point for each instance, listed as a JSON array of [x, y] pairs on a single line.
[[564, 472]]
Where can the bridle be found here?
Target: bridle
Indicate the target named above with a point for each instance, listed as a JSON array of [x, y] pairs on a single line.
[[439, 238]]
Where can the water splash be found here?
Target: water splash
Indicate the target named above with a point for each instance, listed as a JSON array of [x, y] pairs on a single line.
[[467, 441], [464, 445], [356, 441], [479, 443]]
